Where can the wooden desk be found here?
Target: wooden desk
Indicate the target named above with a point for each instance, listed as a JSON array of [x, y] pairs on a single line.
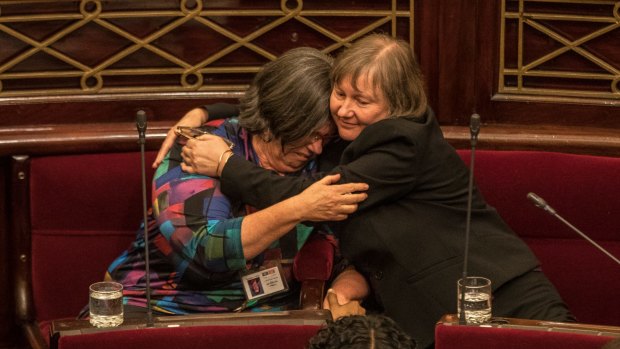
[[539, 325], [61, 328], [510, 333]]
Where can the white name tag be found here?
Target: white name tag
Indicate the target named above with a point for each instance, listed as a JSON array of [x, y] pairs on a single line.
[[263, 283]]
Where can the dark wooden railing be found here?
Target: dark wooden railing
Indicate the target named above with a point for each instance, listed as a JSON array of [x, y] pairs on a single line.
[[88, 138]]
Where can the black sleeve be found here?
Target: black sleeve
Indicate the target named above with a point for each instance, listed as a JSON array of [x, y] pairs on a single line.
[[220, 111], [242, 180], [384, 158]]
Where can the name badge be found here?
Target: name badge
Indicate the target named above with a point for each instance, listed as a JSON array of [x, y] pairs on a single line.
[[263, 283]]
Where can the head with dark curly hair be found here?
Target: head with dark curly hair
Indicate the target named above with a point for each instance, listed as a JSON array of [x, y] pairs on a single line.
[[362, 332]]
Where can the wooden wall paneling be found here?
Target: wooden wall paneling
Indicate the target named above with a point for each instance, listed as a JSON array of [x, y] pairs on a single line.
[[427, 46], [95, 63], [567, 139], [169, 54], [566, 70], [486, 58], [104, 109], [525, 120], [456, 77], [80, 138]]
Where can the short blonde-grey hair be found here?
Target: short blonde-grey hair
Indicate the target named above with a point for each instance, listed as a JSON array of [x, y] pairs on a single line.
[[391, 66]]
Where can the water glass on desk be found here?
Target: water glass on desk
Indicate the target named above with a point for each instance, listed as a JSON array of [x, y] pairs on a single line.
[[106, 304], [474, 296]]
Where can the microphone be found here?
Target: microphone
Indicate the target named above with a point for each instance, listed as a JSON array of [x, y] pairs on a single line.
[[474, 128], [541, 203], [141, 126]]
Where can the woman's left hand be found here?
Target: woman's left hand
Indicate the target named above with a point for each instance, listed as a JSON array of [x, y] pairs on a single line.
[[193, 118], [327, 201], [201, 155]]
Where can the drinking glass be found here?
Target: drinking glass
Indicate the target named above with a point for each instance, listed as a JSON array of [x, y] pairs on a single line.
[[474, 295], [106, 304]]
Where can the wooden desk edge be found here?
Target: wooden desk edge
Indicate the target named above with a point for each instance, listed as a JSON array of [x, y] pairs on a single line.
[[291, 317], [528, 324]]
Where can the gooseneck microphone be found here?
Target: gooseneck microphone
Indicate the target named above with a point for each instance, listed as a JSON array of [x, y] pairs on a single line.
[[474, 129], [141, 126], [541, 203]]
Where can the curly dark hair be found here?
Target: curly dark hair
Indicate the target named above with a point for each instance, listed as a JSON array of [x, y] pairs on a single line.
[[362, 332]]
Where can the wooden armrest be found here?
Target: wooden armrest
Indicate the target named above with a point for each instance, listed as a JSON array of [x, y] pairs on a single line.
[[21, 233], [312, 294], [33, 335]]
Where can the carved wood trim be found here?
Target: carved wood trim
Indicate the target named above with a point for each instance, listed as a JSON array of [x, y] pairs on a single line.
[[92, 138], [145, 46], [552, 50], [592, 141]]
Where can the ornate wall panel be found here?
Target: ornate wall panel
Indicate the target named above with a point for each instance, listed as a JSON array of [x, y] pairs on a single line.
[[560, 51], [97, 47]]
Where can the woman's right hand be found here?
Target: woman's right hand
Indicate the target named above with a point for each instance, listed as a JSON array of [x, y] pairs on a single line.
[[327, 201], [340, 308], [193, 118]]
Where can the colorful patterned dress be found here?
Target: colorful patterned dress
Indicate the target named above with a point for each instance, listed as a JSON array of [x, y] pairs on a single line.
[[194, 239]]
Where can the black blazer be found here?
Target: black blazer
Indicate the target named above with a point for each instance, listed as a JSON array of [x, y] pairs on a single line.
[[407, 238]]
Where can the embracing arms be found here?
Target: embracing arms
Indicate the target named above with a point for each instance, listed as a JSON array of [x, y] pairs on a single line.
[[260, 229], [384, 157], [204, 157]]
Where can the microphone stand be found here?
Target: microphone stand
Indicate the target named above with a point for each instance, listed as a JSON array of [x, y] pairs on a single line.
[[541, 203], [141, 126], [474, 128]]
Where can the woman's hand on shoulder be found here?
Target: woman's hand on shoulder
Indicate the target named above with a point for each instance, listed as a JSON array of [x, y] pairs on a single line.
[[206, 155], [193, 118], [326, 201]]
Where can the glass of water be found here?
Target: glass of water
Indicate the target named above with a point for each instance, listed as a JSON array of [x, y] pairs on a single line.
[[474, 296], [106, 304]]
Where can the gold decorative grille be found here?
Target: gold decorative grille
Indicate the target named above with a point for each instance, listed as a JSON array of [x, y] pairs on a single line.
[[147, 46], [552, 49]]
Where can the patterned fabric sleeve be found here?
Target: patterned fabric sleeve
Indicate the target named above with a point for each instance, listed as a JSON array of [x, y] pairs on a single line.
[[196, 221]]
